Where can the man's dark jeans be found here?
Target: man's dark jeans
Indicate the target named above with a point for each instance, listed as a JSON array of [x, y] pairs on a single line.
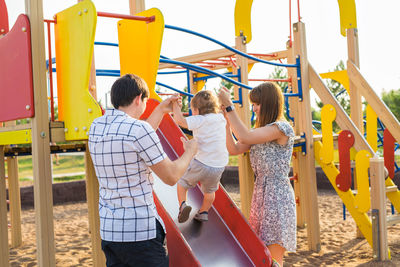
[[141, 253]]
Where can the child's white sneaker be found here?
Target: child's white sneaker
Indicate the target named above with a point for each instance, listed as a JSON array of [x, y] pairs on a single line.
[[184, 212], [201, 216]]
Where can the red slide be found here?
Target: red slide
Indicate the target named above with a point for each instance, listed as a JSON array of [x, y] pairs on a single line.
[[225, 239]]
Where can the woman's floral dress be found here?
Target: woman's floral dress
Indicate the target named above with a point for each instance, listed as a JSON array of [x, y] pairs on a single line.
[[273, 207]]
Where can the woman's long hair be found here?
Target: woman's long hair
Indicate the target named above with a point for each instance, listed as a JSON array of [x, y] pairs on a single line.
[[270, 98]]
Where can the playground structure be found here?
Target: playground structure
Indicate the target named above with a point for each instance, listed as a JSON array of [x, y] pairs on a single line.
[[77, 108]]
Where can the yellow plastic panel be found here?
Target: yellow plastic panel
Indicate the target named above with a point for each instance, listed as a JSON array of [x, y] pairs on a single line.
[[140, 47], [348, 18], [361, 218], [372, 128], [243, 18], [328, 115], [16, 137], [199, 84], [340, 76], [362, 200], [74, 38]]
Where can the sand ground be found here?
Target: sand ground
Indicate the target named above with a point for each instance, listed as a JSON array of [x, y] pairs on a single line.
[[340, 247]]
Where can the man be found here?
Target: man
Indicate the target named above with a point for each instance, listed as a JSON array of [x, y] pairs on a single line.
[[124, 151]]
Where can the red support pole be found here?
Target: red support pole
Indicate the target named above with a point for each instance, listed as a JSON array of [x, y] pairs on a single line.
[[122, 16]]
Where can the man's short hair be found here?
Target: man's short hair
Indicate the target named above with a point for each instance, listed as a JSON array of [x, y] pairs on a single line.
[[126, 89]]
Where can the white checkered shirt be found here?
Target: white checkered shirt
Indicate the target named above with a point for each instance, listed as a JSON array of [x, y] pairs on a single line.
[[122, 148]]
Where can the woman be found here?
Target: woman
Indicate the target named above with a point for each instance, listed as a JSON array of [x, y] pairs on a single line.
[[273, 207]]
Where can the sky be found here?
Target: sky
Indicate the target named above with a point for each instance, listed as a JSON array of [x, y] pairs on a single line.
[[376, 23]]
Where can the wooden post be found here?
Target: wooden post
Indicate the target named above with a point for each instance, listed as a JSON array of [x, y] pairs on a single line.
[[4, 251], [92, 193], [246, 175], [43, 195], [136, 6], [307, 176], [293, 104], [378, 206], [355, 96], [15, 201]]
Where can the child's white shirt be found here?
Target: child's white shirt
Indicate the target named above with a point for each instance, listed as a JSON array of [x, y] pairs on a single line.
[[209, 130]]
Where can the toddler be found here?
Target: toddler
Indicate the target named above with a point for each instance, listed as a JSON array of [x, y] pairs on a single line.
[[208, 126]]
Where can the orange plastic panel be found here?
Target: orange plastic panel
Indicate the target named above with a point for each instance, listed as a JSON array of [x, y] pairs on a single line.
[[3, 18], [16, 87], [140, 47], [74, 37]]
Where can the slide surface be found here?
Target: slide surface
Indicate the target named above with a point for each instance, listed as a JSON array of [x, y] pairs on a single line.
[[225, 240]]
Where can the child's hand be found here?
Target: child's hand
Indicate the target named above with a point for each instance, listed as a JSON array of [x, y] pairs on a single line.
[[190, 145], [225, 97], [167, 105]]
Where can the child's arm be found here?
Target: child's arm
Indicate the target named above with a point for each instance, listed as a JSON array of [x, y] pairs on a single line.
[[178, 116]]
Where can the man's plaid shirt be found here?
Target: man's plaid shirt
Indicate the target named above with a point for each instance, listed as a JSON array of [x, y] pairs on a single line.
[[122, 149]]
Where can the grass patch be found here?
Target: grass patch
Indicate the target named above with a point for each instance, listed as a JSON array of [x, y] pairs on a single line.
[[68, 178], [233, 161], [66, 164]]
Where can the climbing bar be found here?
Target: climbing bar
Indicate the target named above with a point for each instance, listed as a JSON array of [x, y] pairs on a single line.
[[174, 89], [270, 80], [203, 70], [49, 21], [232, 49], [122, 16], [228, 74], [106, 44]]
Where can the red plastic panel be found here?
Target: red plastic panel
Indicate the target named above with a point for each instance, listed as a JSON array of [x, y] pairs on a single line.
[[16, 87], [244, 234], [167, 125], [3, 18], [388, 152], [345, 142]]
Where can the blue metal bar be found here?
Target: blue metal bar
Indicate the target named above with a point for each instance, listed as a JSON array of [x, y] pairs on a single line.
[[240, 100], [230, 48], [287, 105], [228, 74], [300, 87], [109, 74], [110, 71], [171, 72], [174, 89], [189, 90], [203, 70], [341, 92], [106, 44]]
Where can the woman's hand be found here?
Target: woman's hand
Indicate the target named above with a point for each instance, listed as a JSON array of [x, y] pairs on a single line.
[[225, 97]]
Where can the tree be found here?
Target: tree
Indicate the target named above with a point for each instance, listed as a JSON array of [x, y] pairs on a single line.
[[392, 100]]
